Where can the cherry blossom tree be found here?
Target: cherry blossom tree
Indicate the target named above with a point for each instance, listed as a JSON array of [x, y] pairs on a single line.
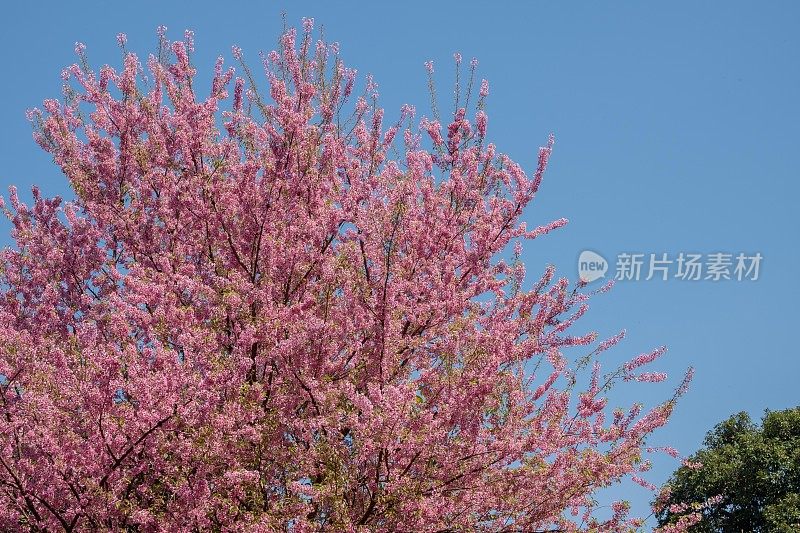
[[267, 310]]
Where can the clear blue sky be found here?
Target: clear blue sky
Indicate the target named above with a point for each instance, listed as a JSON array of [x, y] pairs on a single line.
[[675, 128]]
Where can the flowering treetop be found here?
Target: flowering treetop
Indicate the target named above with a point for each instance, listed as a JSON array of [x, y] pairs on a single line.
[[270, 311]]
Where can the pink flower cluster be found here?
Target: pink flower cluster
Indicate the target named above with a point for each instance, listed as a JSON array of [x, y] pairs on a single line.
[[292, 319]]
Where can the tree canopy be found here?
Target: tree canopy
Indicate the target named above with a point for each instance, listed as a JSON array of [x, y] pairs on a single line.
[[268, 310], [752, 472]]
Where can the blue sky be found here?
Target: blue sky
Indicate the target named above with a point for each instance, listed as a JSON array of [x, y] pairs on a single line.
[[675, 127]]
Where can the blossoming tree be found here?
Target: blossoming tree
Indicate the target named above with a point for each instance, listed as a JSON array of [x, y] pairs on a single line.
[[279, 314]]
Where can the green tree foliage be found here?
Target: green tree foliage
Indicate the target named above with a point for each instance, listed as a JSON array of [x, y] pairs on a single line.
[[755, 472]]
